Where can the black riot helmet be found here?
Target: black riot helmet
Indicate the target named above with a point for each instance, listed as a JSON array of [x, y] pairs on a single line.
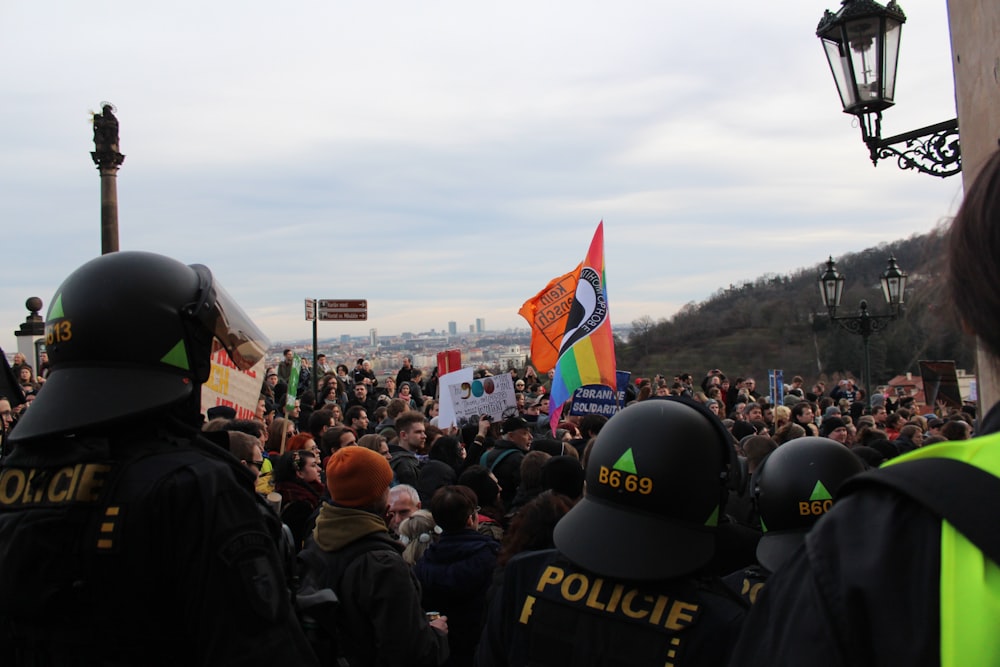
[[656, 480], [793, 488], [130, 332]]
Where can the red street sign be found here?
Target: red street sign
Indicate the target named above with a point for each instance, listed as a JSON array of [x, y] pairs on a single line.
[[344, 304], [343, 314], [310, 310]]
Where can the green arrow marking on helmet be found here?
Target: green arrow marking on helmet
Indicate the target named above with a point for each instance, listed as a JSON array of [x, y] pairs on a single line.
[[56, 310], [820, 492], [626, 462], [713, 519], [177, 356]]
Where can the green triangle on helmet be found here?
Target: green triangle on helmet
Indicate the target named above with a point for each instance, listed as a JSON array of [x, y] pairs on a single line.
[[820, 492], [177, 356], [56, 309], [626, 462]]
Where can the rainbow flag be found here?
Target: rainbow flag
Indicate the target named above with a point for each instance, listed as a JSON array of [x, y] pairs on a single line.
[[587, 353]]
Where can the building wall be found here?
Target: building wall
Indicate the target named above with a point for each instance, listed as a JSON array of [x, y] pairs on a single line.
[[975, 26]]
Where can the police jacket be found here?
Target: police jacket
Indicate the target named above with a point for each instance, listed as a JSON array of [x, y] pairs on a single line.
[[866, 587], [381, 620], [550, 612], [145, 548]]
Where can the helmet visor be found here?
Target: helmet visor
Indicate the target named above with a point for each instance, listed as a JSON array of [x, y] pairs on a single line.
[[220, 314]]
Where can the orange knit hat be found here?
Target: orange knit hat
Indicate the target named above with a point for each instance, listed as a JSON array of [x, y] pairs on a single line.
[[357, 476]]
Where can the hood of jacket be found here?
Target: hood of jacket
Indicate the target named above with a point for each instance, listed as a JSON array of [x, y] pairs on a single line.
[[336, 527]]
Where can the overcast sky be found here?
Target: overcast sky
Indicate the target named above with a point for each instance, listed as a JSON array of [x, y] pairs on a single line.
[[445, 160]]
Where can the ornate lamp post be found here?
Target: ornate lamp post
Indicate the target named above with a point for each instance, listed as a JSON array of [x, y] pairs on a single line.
[[861, 42], [831, 287]]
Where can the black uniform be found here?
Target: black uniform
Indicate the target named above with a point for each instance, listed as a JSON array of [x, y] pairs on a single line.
[[146, 548], [870, 568], [551, 612]]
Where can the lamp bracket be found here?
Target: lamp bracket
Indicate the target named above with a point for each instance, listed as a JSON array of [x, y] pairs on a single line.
[[933, 150]]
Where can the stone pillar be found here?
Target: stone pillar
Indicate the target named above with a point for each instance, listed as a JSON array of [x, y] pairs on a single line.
[[108, 159], [975, 54], [31, 333]]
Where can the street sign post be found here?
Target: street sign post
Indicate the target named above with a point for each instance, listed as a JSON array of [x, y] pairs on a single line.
[[343, 309]]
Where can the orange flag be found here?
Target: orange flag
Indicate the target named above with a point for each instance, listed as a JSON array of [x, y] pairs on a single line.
[[546, 312]]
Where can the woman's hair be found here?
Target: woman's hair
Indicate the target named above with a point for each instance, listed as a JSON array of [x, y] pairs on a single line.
[[531, 529], [448, 450], [290, 463], [417, 532], [372, 441], [428, 406], [298, 441], [274, 433], [477, 478]]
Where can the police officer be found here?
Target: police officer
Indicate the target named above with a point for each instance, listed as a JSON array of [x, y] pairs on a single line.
[[883, 578], [626, 584], [792, 488], [126, 537]]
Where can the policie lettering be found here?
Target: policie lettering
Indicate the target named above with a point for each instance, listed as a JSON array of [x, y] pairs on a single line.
[[80, 483], [625, 602]]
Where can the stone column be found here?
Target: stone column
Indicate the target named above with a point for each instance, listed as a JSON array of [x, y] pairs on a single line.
[[108, 159]]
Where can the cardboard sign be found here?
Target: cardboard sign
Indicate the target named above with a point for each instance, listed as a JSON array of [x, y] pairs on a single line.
[[228, 385], [493, 396]]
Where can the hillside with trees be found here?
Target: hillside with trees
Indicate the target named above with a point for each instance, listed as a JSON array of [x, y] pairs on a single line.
[[778, 321]]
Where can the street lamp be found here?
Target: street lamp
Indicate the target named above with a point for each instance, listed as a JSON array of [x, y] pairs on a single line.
[[831, 288], [861, 42]]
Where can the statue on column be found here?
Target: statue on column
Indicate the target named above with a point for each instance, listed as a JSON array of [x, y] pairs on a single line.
[[106, 151]]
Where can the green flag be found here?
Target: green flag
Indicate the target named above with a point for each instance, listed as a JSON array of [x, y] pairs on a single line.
[[293, 384]]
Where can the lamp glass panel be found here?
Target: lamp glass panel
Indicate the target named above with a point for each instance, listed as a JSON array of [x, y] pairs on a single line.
[[840, 66], [863, 37], [893, 31]]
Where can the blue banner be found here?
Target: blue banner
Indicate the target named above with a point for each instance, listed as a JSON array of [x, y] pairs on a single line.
[[598, 399]]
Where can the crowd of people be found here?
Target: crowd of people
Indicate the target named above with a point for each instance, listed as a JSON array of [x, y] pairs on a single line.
[[700, 525]]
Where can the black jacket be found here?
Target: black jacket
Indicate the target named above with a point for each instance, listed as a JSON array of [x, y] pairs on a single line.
[[863, 589], [551, 613], [382, 620]]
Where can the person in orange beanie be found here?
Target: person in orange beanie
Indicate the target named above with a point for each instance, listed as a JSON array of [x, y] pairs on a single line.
[[351, 552]]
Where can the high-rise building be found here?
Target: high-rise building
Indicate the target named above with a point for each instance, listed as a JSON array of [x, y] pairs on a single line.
[[452, 328], [480, 325], [373, 337]]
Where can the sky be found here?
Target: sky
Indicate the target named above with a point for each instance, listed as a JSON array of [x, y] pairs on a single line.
[[444, 160]]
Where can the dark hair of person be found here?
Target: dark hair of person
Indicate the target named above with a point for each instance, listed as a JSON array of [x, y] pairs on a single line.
[[973, 243], [477, 478], [531, 470], [531, 528], [354, 412], [329, 442], [254, 428], [318, 420], [448, 450], [591, 425], [290, 463], [406, 420], [452, 506]]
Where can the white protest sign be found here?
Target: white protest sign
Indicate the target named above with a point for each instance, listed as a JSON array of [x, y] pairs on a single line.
[[493, 396], [228, 385], [446, 411]]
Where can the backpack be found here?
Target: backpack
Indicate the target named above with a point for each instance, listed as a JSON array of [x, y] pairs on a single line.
[[316, 603], [485, 457]]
